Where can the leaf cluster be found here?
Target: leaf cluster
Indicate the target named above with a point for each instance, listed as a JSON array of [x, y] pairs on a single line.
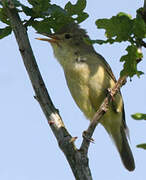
[[4, 19], [121, 28], [44, 16]]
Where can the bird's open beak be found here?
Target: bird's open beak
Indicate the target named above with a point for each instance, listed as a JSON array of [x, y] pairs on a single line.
[[50, 39]]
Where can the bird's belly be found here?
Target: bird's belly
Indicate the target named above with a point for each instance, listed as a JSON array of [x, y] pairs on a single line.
[[86, 88], [77, 81]]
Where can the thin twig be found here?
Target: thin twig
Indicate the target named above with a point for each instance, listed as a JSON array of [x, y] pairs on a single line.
[[143, 43], [29, 22]]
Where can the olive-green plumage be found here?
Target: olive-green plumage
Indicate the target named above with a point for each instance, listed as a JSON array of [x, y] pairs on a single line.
[[88, 77]]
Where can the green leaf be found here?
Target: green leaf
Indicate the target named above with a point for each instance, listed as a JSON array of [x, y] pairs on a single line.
[[143, 146], [98, 41], [5, 32], [16, 3], [54, 17], [78, 10], [42, 26], [130, 61], [89, 41], [117, 27], [40, 3], [139, 116], [81, 17], [55, 10], [28, 11], [139, 28], [4, 17], [39, 6], [58, 17]]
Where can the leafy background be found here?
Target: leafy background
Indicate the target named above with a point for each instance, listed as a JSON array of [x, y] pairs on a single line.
[[28, 148]]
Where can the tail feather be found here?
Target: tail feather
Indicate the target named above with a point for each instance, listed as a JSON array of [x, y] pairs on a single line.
[[123, 147], [125, 152]]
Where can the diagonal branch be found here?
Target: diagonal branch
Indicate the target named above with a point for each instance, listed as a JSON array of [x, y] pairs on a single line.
[[101, 111]]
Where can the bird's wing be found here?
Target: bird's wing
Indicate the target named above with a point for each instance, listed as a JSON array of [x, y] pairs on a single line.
[[114, 103], [107, 67]]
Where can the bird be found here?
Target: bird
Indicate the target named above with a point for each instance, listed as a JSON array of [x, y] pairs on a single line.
[[89, 77]]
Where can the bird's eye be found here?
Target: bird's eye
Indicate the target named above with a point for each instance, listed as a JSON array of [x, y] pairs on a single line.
[[67, 36]]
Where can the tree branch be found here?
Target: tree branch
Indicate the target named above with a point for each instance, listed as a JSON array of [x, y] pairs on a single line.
[[101, 111], [77, 160]]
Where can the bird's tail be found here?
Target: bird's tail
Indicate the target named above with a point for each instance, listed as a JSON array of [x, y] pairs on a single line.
[[124, 150]]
